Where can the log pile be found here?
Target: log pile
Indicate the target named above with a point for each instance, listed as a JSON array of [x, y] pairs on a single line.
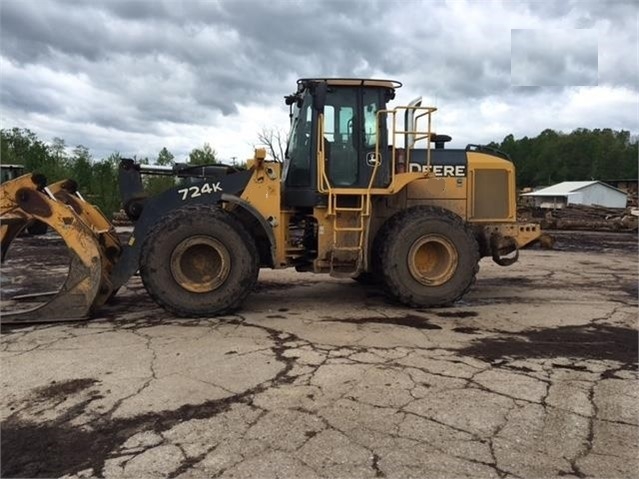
[[582, 217], [120, 218]]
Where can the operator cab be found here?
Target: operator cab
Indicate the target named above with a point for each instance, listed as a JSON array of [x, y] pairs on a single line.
[[337, 120]]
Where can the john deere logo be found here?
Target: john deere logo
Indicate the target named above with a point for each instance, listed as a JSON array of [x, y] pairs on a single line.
[[454, 171]]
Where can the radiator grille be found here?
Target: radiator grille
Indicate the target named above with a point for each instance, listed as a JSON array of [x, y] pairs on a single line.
[[490, 195]]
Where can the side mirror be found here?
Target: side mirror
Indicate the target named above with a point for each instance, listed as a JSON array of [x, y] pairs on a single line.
[[319, 96]]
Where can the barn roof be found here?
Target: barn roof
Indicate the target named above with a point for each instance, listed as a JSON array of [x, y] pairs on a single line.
[[567, 188]]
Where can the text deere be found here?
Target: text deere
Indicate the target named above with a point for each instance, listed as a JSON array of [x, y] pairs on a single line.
[[440, 170]]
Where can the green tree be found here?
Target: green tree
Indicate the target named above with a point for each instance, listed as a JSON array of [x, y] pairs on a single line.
[[22, 146], [58, 149], [104, 184], [582, 154], [158, 184], [16, 145], [203, 156], [165, 157], [82, 167]]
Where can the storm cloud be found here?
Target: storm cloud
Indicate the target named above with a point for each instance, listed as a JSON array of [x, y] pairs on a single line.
[[137, 76], [545, 57]]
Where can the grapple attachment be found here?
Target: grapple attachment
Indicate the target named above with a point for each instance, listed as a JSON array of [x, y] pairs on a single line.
[[90, 238]]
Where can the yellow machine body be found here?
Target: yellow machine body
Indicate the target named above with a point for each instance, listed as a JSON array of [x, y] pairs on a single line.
[[355, 196]]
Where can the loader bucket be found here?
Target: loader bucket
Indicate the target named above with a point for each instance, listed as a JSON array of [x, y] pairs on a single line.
[[91, 241]]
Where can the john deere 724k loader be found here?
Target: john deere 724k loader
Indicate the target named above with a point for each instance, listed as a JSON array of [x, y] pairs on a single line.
[[354, 198]]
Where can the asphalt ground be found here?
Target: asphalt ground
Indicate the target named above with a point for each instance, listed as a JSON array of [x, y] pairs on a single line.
[[533, 374]]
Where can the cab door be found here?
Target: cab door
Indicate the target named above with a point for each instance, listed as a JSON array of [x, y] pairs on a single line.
[[351, 135], [373, 134], [341, 143]]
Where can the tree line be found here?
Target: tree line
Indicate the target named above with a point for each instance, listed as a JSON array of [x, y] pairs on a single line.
[[552, 157], [97, 178], [548, 158]]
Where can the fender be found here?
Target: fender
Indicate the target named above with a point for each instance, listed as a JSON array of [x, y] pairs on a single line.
[[266, 226]]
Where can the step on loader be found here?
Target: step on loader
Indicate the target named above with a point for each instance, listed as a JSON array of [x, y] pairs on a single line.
[[365, 192]]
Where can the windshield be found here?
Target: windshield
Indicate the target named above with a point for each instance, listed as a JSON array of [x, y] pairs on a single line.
[[298, 150]]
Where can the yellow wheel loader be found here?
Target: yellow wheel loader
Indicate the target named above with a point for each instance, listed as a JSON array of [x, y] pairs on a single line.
[[355, 197]]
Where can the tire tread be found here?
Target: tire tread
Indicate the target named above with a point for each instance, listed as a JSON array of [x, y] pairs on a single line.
[[400, 221], [195, 211]]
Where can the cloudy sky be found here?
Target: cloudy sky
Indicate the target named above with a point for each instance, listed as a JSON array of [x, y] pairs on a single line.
[[136, 75]]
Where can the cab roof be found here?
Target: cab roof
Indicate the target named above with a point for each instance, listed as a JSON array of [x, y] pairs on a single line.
[[353, 82]]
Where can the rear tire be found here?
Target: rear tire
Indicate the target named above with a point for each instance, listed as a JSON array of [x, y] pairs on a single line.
[[199, 261], [429, 257], [368, 278]]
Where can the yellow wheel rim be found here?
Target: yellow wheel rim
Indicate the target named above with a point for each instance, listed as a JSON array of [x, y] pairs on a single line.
[[432, 260], [200, 264]]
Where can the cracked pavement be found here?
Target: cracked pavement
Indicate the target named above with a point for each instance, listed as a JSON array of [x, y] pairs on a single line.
[[533, 374]]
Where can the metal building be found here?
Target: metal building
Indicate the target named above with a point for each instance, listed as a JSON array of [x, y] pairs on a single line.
[[580, 193]]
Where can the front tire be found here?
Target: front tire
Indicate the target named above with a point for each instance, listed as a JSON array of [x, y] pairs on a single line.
[[429, 257], [199, 261]]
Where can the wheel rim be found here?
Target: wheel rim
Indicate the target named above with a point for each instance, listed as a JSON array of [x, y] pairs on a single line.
[[432, 260], [200, 264]]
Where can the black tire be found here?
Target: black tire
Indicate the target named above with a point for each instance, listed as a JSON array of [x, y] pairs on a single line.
[[368, 278], [374, 276], [199, 261], [429, 257]]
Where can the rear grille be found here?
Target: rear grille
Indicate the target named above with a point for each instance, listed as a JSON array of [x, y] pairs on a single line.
[[490, 195]]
